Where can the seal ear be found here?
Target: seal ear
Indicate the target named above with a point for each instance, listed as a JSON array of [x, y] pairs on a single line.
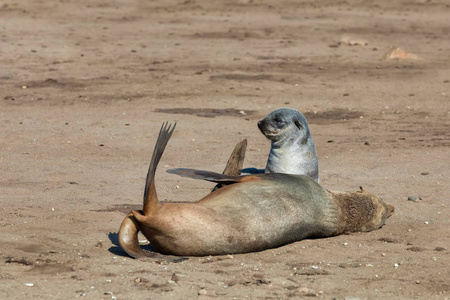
[[297, 123]]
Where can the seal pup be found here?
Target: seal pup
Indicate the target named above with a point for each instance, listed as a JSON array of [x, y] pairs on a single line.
[[292, 148], [250, 213]]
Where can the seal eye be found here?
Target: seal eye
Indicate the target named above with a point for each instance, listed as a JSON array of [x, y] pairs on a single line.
[[278, 120]]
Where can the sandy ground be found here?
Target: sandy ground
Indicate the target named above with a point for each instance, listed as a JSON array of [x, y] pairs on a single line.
[[85, 86]]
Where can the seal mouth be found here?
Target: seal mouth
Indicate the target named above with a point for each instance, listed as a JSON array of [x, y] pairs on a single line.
[[270, 133]]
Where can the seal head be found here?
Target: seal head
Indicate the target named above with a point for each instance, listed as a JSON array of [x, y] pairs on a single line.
[[292, 149]]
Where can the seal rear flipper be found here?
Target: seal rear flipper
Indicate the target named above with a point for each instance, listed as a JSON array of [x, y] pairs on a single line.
[[235, 162], [211, 176], [248, 171], [128, 240], [150, 196]]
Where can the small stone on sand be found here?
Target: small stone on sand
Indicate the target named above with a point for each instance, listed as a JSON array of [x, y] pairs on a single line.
[[413, 198], [398, 53]]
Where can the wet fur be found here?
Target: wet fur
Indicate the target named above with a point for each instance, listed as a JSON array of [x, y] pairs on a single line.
[[250, 213]]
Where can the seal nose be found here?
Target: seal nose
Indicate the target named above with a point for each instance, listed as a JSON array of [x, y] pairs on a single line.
[[259, 124], [390, 209]]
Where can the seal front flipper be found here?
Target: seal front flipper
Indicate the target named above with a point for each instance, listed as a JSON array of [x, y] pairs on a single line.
[[211, 176]]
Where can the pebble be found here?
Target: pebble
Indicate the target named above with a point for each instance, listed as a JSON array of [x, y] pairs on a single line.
[[112, 295], [29, 284], [221, 293], [398, 53], [303, 290], [202, 292], [413, 198], [351, 41]]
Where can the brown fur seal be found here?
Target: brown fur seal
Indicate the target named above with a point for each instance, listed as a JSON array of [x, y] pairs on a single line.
[[250, 213], [292, 147]]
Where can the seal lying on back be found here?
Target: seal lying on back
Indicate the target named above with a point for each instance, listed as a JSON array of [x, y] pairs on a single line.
[[249, 213], [292, 150]]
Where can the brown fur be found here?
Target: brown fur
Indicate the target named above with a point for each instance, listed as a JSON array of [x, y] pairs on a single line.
[[360, 211]]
